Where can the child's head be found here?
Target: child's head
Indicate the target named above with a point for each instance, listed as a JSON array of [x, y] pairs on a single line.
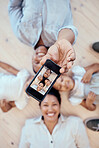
[[40, 77], [64, 83]]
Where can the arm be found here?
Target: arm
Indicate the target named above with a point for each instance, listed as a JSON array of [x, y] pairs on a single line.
[[66, 34], [15, 13], [8, 68], [65, 40], [19, 22], [62, 51], [91, 69]]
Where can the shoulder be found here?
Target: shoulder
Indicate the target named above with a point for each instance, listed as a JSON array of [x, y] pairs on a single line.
[[78, 70], [30, 127], [74, 120], [73, 123], [71, 119], [32, 122]]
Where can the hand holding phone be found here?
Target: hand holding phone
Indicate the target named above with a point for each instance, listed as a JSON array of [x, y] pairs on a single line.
[[43, 80]]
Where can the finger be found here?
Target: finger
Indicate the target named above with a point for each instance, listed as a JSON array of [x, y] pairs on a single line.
[[66, 67], [47, 56], [71, 56], [82, 80], [63, 69], [69, 64]]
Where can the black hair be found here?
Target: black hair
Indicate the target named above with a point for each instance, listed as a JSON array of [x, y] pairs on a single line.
[[54, 92]]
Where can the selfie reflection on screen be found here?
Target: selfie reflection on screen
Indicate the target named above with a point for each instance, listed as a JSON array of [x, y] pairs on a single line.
[[43, 80]]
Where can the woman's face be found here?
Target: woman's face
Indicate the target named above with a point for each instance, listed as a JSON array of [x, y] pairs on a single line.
[[64, 83], [50, 108]]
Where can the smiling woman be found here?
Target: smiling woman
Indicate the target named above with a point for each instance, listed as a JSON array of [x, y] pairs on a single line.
[[52, 129]]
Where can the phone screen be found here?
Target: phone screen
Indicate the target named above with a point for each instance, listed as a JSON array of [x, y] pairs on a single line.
[[44, 80]]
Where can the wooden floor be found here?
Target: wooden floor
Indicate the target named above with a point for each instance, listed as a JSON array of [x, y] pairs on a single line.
[[12, 51]]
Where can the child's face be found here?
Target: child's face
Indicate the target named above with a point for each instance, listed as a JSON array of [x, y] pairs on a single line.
[[40, 78], [64, 83]]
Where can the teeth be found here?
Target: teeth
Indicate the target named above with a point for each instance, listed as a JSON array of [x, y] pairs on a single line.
[[41, 54], [51, 114]]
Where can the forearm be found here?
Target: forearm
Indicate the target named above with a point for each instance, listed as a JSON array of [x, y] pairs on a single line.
[[8, 68], [66, 34], [93, 68]]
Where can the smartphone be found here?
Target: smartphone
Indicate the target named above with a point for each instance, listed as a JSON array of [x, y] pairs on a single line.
[[43, 80]]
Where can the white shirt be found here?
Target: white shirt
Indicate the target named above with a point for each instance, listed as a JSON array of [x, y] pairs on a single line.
[[12, 88], [68, 133], [31, 19]]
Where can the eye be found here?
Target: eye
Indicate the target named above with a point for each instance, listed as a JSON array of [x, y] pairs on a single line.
[[45, 105], [54, 104]]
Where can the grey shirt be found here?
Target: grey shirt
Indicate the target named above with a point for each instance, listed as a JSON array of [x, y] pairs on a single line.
[[31, 19]]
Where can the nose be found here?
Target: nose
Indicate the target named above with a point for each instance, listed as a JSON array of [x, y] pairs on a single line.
[[66, 84], [50, 108]]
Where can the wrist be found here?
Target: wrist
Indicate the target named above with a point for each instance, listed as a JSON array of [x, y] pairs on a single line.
[[67, 34]]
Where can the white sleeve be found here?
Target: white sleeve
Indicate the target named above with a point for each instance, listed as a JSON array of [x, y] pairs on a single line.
[[22, 102], [81, 137], [16, 15], [78, 70], [75, 100], [68, 23]]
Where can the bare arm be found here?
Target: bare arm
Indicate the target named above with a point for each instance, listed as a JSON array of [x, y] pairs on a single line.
[[66, 34], [65, 40], [8, 68], [89, 71], [93, 68]]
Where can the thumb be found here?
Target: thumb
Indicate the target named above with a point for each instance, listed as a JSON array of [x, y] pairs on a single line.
[[47, 56]]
